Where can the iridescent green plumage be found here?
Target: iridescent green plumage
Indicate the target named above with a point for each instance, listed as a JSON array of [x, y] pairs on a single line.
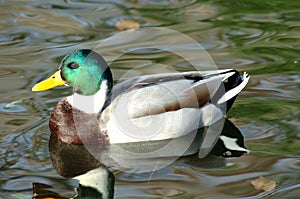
[[91, 71]]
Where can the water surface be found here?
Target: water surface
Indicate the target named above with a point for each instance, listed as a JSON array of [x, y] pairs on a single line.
[[260, 37]]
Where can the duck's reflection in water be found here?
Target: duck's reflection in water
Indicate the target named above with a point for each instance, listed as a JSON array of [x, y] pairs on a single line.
[[95, 180]]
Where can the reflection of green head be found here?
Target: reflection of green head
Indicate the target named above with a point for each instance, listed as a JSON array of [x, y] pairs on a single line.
[[85, 70]]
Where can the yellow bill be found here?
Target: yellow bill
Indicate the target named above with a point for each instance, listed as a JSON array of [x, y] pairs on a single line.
[[53, 81]]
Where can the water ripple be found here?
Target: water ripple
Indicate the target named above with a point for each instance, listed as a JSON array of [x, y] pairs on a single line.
[[278, 86], [259, 37]]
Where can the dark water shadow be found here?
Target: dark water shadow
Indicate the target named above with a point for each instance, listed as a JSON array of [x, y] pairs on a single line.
[[96, 179]]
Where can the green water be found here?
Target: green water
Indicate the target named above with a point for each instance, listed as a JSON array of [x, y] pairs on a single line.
[[260, 37]]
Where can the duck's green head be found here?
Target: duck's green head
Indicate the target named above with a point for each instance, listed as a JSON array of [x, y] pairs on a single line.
[[83, 69]]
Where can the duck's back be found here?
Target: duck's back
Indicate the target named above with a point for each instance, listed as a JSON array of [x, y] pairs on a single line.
[[171, 105]]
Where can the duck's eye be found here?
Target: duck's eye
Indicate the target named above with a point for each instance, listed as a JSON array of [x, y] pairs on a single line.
[[73, 65]]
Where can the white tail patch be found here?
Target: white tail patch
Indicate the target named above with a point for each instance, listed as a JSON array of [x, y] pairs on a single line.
[[233, 92], [231, 144]]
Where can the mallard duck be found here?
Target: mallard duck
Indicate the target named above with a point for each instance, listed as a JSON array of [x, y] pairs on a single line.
[[140, 109]]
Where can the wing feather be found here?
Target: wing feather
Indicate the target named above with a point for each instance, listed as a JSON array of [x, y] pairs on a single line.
[[155, 94]]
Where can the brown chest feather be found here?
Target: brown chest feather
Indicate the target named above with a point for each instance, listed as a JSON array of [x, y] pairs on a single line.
[[74, 126]]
